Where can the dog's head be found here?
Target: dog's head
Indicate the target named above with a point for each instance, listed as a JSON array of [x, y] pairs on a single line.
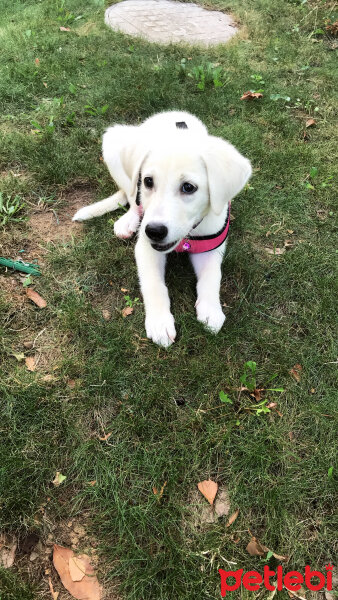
[[182, 180]]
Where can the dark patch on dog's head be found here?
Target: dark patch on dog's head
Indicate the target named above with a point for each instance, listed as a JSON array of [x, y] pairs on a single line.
[[181, 125]]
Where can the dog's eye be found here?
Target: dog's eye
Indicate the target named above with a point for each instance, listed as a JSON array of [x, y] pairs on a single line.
[[188, 188], [149, 182]]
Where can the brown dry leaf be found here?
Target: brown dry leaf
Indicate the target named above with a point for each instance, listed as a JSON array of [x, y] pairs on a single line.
[[251, 95], [233, 517], [295, 372], [157, 493], [209, 489], [36, 298], [310, 123], [300, 594], [105, 437], [275, 251], [49, 378], [7, 551], [55, 595], [45, 84], [255, 548], [290, 231], [124, 290], [30, 363], [71, 383], [271, 405], [92, 483], [257, 394], [64, 28], [106, 314], [128, 310], [279, 557], [86, 589], [77, 568]]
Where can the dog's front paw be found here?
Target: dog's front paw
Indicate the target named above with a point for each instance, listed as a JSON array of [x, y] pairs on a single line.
[[83, 214], [126, 225], [211, 315], [160, 328]]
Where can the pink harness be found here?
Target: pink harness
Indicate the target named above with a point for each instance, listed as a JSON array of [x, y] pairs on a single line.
[[197, 244]]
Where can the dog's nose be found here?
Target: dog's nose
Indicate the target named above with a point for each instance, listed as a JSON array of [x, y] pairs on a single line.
[[156, 232]]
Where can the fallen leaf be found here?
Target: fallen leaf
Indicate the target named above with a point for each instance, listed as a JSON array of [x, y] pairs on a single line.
[[275, 251], [257, 394], [209, 489], [251, 95], [37, 61], [49, 378], [28, 344], [55, 595], [271, 405], [36, 298], [290, 231], [106, 314], [30, 363], [77, 568], [71, 383], [310, 123], [92, 483], [255, 548], [127, 311], [45, 84], [105, 437], [7, 551], [233, 517], [124, 290], [157, 493], [86, 589], [300, 594], [19, 356], [58, 479], [64, 28], [295, 372]]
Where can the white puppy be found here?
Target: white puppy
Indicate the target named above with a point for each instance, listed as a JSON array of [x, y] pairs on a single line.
[[178, 182]]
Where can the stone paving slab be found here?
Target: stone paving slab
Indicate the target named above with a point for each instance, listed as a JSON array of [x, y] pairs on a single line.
[[166, 21]]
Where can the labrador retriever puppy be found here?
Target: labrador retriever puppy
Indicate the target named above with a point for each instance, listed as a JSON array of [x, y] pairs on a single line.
[[178, 181]]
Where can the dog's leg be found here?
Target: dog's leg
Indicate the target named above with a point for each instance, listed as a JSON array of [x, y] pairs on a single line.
[[101, 208], [159, 322], [207, 267], [126, 225]]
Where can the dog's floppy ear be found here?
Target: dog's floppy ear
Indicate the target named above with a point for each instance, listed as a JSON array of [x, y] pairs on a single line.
[[228, 171]]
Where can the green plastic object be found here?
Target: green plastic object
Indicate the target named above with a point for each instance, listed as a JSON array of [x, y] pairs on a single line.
[[18, 265]]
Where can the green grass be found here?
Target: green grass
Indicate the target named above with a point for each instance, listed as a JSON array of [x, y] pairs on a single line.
[[280, 309]]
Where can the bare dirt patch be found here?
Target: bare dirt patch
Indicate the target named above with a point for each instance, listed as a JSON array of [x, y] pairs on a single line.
[[51, 225]]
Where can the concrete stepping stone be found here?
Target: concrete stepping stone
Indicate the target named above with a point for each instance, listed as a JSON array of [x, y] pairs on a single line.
[[166, 21]]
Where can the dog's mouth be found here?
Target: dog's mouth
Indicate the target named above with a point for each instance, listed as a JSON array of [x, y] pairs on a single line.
[[164, 247]]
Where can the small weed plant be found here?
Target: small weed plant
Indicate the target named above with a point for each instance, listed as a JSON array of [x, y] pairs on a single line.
[[10, 209]]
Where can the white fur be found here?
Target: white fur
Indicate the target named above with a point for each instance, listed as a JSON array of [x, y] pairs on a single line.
[[172, 156]]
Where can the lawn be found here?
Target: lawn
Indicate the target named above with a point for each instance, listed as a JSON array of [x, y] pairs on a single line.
[[93, 373]]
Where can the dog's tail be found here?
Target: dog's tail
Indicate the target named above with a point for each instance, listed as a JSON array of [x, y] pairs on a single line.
[[102, 207]]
